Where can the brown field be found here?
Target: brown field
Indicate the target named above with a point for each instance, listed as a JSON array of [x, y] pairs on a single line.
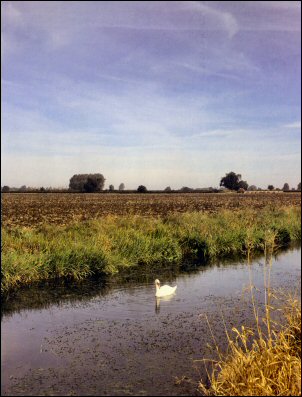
[[34, 209]]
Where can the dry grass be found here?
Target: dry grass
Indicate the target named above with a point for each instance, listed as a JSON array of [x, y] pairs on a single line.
[[265, 361], [270, 367]]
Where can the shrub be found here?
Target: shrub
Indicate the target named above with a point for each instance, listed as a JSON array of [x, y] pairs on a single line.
[[142, 189]]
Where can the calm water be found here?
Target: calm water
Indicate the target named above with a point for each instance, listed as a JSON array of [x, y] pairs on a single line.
[[117, 339]]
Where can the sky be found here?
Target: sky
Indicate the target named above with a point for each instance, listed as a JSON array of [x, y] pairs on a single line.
[[154, 93]]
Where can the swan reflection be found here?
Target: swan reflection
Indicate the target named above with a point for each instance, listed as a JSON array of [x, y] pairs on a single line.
[[164, 299]]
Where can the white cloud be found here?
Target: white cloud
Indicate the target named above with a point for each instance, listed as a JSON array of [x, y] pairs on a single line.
[[296, 124], [13, 15], [221, 19], [281, 5]]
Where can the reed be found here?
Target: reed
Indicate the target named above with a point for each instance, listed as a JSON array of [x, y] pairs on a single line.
[[265, 360], [107, 245]]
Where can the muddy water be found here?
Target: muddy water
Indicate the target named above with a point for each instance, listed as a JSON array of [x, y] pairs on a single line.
[[117, 339]]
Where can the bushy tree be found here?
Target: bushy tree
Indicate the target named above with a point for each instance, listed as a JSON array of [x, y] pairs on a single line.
[[285, 187], [90, 186], [121, 187], [111, 188], [5, 189], [142, 189], [168, 189], [242, 185], [233, 181], [270, 187], [87, 182], [252, 188], [186, 189], [299, 187]]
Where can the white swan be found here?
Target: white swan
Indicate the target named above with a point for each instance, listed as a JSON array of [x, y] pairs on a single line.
[[164, 290]]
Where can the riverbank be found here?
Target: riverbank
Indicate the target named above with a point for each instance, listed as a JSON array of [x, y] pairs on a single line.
[[113, 243], [116, 339]]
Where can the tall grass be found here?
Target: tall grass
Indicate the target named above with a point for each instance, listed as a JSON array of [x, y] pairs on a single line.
[[107, 245], [265, 360]]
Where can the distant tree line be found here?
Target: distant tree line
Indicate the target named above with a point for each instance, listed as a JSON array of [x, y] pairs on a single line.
[[30, 189], [93, 183]]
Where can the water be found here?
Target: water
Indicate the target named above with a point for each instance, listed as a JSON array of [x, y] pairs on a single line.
[[117, 339]]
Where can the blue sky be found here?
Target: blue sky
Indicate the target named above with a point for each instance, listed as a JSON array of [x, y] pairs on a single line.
[[154, 93]]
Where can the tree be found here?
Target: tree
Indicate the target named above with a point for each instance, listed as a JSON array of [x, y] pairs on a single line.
[[111, 188], [233, 181], [42, 189], [90, 186], [87, 182], [186, 189], [270, 187], [142, 189], [168, 189], [22, 188], [242, 185], [121, 187], [5, 189], [299, 187], [252, 188], [285, 187]]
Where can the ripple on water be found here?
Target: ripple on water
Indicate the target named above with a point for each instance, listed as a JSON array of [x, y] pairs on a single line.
[[119, 340]]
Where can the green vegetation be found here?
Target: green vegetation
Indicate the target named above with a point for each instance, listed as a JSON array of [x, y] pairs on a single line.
[[88, 183], [233, 181], [142, 189], [110, 244]]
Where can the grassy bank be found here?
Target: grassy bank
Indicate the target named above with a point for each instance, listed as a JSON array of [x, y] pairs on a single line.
[[113, 243]]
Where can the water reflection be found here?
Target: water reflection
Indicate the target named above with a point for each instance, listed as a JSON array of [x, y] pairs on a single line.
[[102, 337], [163, 299], [45, 294], [157, 308]]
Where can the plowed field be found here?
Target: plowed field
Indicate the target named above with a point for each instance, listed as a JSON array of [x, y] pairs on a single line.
[[33, 209]]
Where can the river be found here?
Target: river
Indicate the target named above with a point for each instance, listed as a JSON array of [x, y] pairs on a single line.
[[115, 338]]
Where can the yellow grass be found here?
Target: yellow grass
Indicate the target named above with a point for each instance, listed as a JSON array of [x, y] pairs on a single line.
[[265, 361]]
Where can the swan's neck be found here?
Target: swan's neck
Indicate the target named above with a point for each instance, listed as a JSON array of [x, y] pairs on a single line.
[[157, 287]]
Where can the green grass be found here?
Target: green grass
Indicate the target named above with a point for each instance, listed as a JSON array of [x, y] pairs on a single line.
[[107, 245]]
